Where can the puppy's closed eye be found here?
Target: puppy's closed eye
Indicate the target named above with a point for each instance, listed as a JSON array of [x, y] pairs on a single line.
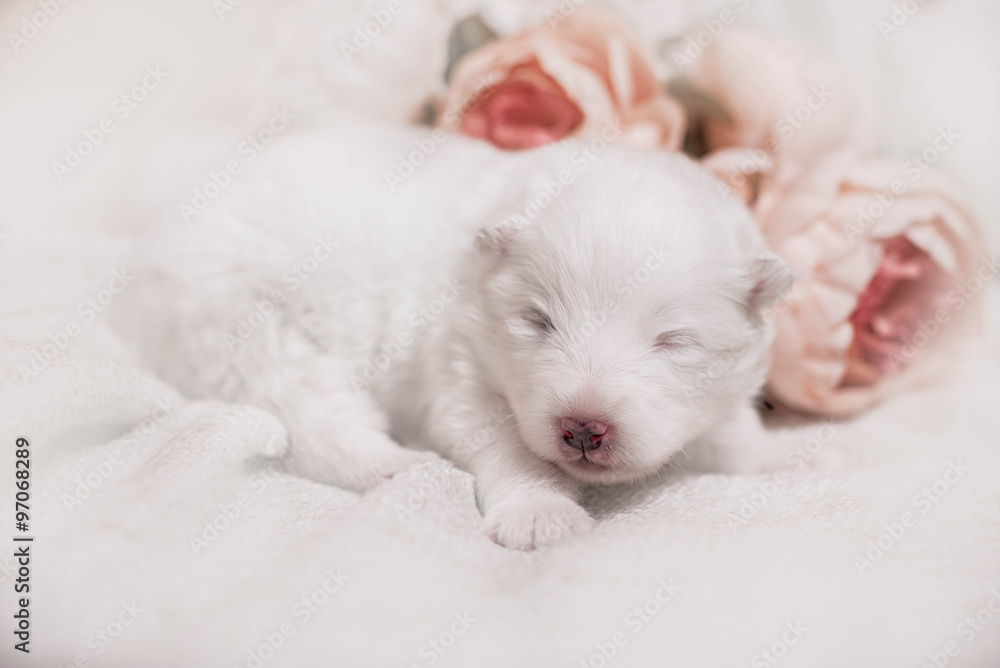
[[538, 320], [674, 341]]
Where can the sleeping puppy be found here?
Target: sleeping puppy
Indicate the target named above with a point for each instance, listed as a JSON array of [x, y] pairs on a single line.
[[545, 319]]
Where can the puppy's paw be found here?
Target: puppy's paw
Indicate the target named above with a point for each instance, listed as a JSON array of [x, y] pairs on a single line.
[[535, 521]]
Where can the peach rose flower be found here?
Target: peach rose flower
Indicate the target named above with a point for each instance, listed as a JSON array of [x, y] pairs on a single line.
[[885, 262], [575, 79], [767, 95], [887, 267]]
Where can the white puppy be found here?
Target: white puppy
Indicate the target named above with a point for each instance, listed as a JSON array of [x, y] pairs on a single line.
[[545, 319]]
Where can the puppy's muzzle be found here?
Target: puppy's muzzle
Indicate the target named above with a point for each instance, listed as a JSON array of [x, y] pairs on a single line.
[[583, 434]]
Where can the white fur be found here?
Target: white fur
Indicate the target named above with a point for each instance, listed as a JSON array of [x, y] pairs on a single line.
[[651, 280]]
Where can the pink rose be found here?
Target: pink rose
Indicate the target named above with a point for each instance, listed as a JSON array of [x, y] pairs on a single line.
[[885, 269], [883, 275], [768, 96], [582, 78]]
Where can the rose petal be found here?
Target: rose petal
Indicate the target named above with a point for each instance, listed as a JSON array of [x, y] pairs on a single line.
[[892, 339], [600, 71]]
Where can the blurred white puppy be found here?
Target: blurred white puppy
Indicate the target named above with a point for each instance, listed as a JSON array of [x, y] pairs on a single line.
[[546, 319]]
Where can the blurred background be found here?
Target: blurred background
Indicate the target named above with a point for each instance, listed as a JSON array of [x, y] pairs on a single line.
[[228, 66]]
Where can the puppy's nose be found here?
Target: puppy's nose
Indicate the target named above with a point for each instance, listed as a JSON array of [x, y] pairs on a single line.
[[583, 434]]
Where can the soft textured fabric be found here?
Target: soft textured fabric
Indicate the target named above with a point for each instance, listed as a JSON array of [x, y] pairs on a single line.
[[721, 566], [143, 499]]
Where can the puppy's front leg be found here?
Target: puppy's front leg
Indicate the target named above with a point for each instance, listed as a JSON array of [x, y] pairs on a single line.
[[527, 503]]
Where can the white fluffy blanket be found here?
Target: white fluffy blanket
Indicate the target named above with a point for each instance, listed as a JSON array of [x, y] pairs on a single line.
[[166, 535]]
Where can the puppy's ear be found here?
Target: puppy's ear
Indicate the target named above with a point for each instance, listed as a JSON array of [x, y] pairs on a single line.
[[772, 278], [494, 238]]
